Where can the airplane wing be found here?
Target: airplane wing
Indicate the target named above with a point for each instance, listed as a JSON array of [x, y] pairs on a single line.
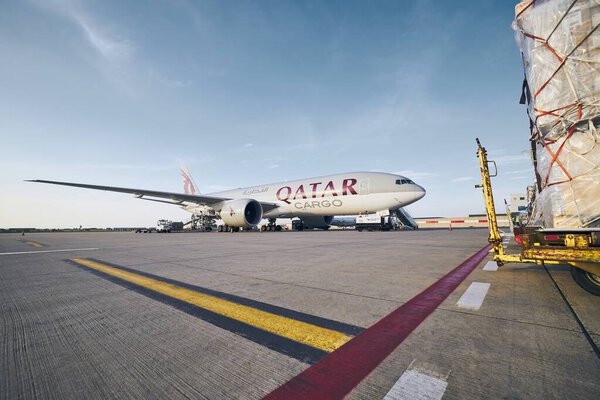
[[176, 198]]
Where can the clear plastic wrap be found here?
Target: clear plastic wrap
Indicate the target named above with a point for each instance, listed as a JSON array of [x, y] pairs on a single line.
[[560, 46]]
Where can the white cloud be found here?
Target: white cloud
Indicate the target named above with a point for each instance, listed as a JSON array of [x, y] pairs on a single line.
[[520, 171], [412, 174], [111, 48], [273, 166], [113, 53], [512, 159], [148, 167], [248, 145], [217, 188], [463, 179], [154, 75], [108, 44]]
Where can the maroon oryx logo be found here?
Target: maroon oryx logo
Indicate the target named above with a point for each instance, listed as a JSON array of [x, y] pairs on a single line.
[[231, 212]]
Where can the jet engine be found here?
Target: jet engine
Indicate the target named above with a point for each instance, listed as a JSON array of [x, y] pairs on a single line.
[[241, 212], [317, 222]]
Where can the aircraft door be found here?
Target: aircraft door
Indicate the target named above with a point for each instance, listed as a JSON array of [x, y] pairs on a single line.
[[363, 186]]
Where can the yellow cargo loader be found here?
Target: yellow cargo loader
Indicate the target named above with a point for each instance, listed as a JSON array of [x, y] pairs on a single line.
[[579, 247]]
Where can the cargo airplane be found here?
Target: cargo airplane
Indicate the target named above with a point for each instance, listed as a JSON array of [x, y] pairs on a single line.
[[315, 201]]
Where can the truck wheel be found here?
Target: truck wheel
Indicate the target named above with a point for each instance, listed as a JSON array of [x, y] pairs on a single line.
[[278, 228], [359, 229], [588, 281]]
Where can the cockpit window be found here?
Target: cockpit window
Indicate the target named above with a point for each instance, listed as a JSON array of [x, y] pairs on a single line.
[[403, 181]]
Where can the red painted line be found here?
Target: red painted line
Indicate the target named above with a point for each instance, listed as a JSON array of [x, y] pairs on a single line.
[[483, 220], [431, 222], [335, 375], [458, 221]]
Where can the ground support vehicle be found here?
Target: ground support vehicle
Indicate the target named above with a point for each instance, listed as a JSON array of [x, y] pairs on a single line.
[[379, 221], [578, 247], [163, 226]]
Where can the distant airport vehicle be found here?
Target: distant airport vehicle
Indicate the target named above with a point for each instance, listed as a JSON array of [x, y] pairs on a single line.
[[344, 221], [164, 226], [379, 221], [315, 201]]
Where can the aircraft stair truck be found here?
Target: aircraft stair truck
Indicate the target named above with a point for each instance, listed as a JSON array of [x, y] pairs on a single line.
[[406, 220], [380, 221], [164, 226]]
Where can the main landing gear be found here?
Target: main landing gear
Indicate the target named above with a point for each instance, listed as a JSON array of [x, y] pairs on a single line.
[[225, 228], [202, 222], [271, 226]]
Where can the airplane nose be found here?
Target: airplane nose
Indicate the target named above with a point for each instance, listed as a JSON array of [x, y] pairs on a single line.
[[419, 193]]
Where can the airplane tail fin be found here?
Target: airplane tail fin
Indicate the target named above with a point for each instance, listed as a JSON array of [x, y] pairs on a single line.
[[189, 186]]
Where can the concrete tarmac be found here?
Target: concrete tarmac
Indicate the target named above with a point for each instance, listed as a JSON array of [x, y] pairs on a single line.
[[69, 331]]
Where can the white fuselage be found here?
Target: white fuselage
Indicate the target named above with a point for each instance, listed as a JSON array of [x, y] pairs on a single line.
[[342, 194]]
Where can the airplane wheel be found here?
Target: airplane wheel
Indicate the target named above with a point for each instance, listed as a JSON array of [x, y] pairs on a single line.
[[208, 229], [278, 228], [263, 228]]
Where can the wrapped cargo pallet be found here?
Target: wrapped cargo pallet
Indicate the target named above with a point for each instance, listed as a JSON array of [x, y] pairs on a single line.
[[560, 46]]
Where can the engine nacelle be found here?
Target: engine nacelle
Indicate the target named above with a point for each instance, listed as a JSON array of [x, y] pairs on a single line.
[[241, 212], [317, 222]]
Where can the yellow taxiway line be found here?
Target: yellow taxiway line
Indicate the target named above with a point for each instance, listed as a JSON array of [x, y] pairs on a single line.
[[35, 244], [315, 336]]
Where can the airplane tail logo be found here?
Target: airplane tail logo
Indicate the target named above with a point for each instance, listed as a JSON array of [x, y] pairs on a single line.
[[189, 186]]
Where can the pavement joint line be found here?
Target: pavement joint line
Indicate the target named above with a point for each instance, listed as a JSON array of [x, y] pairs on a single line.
[[578, 320], [302, 286], [297, 338], [474, 296], [273, 281], [46, 251], [246, 254], [339, 372], [518, 321]]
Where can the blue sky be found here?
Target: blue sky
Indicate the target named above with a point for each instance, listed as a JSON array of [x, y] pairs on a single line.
[[250, 92]]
